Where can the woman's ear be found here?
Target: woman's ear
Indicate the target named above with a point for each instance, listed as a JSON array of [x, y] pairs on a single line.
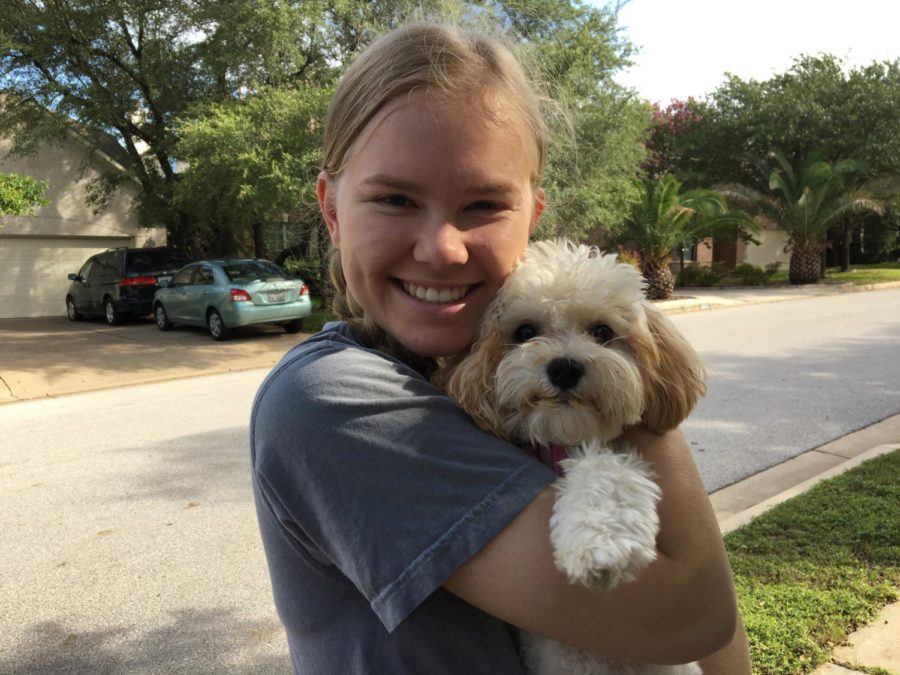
[[539, 203], [326, 192]]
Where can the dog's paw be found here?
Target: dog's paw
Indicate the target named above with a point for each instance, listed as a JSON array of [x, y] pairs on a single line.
[[605, 522]]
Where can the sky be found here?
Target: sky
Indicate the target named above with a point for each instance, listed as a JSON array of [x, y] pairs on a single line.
[[687, 46]]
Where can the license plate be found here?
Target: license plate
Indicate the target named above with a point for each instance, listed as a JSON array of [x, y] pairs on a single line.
[[277, 296], [162, 281]]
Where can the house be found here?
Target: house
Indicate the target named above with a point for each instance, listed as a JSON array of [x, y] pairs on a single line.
[[37, 252], [770, 249]]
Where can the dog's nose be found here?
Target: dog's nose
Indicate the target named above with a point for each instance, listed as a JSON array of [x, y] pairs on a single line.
[[564, 373]]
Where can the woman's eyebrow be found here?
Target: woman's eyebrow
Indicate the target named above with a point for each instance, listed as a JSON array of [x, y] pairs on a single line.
[[500, 188], [393, 182]]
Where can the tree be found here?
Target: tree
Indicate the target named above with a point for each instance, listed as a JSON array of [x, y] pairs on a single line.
[[20, 195], [663, 217], [249, 163], [130, 69], [666, 144], [805, 202], [599, 132], [816, 106]]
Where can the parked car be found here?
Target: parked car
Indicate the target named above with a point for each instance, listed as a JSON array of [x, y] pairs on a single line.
[[121, 282], [226, 294]]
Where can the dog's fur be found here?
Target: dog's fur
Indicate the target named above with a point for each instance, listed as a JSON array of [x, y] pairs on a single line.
[[594, 357]]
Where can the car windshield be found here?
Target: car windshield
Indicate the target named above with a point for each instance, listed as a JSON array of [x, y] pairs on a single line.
[[243, 271], [143, 262]]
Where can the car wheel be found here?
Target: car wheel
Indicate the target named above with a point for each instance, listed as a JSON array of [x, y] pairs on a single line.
[[71, 310], [294, 326], [113, 317], [162, 319], [216, 326]]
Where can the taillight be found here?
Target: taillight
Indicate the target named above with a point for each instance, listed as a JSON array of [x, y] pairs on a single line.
[[240, 295], [137, 281], [304, 290]]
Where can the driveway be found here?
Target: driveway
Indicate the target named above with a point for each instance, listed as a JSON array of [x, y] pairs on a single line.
[[52, 356]]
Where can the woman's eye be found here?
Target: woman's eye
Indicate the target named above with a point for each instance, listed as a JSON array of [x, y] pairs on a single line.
[[602, 333], [485, 205], [395, 200], [524, 333]]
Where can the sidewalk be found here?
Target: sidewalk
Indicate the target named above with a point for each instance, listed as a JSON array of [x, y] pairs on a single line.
[[51, 357]]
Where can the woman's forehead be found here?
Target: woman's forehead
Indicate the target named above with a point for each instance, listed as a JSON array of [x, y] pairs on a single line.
[[418, 131]]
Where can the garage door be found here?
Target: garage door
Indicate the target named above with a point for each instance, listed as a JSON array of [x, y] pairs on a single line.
[[34, 270]]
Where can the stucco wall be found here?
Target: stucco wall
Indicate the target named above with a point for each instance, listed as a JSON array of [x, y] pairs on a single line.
[[770, 249], [68, 213]]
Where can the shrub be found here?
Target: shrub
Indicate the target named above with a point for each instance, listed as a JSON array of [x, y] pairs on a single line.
[[700, 275], [310, 270], [751, 275]]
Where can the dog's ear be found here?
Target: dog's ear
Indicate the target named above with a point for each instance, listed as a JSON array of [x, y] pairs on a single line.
[[674, 376], [470, 379]]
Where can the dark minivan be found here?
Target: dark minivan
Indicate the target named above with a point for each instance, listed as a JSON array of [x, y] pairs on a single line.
[[120, 282]]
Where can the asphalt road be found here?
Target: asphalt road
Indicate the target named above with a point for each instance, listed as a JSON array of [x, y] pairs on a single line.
[[788, 377]]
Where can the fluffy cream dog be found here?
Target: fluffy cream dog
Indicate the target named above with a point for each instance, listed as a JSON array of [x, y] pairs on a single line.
[[570, 354]]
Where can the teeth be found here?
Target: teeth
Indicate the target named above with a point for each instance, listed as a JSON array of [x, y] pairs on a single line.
[[440, 297]]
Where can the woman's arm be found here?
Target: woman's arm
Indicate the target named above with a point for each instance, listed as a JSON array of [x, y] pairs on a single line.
[[734, 659], [681, 608]]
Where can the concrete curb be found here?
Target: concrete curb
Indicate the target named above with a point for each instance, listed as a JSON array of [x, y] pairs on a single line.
[[746, 516]]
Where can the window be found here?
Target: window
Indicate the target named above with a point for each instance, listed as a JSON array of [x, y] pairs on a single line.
[[204, 276], [183, 278]]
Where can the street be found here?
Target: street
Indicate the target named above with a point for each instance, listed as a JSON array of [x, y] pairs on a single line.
[[785, 378], [130, 541]]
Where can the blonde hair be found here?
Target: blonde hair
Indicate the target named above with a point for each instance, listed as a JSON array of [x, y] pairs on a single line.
[[428, 57]]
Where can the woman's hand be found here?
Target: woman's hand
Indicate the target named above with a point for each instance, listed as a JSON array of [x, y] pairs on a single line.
[[681, 608]]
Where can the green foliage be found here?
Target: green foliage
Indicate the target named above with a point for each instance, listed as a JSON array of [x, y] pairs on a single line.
[[818, 566], [750, 275], [702, 275], [817, 104], [805, 201], [663, 217], [127, 71], [310, 270], [251, 161], [20, 195]]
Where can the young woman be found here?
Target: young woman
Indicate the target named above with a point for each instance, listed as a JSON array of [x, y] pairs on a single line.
[[400, 538]]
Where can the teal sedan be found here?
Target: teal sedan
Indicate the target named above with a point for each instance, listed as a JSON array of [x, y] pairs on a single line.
[[225, 294]]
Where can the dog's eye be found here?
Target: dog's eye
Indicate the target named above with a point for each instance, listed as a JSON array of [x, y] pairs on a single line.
[[525, 332], [602, 333]]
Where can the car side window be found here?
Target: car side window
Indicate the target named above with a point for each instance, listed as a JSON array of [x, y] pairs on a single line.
[[86, 269], [183, 278], [204, 276], [96, 270]]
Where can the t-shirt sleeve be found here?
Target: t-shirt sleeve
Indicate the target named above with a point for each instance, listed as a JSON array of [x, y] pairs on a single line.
[[364, 460]]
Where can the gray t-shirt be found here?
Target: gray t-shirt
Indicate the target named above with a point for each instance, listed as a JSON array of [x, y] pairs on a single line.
[[371, 488]]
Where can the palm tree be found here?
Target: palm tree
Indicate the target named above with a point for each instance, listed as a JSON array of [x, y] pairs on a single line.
[[663, 218], [805, 203]]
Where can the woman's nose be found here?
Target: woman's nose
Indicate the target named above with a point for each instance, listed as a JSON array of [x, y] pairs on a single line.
[[441, 244]]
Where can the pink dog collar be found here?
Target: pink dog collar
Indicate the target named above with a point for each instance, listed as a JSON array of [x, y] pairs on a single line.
[[551, 455]]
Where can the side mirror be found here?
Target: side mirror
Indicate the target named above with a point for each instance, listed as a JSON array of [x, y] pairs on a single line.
[[74, 277]]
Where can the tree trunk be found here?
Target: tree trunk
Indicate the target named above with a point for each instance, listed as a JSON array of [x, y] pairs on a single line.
[[259, 241], [806, 263], [845, 247], [660, 280]]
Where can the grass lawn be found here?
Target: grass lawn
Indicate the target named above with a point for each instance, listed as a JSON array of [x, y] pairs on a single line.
[[818, 566], [857, 274]]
